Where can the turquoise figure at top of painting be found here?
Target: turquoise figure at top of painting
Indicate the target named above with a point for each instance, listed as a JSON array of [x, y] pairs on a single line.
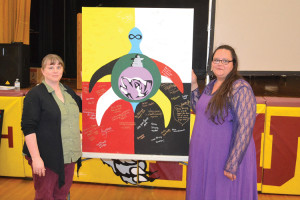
[[135, 37]]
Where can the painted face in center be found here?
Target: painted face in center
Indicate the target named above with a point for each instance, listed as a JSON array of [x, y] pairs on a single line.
[[136, 88], [220, 69], [136, 82], [135, 78]]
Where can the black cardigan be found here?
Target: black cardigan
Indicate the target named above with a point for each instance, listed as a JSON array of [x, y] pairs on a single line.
[[41, 115]]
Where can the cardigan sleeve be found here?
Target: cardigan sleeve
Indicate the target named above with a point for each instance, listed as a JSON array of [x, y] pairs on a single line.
[[244, 112], [31, 112]]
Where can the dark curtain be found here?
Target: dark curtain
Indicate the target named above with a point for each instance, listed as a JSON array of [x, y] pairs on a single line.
[[45, 38], [71, 38], [53, 30], [41, 30]]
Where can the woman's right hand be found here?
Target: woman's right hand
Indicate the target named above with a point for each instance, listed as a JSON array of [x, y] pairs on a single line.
[[38, 166], [229, 175]]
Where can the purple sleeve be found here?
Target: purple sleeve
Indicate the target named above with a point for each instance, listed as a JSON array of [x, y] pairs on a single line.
[[244, 114], [195, 96]]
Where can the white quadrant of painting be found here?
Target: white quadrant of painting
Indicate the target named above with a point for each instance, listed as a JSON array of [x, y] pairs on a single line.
[[168, 38]]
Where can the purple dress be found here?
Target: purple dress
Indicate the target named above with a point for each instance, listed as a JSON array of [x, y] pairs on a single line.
[[228, 146]]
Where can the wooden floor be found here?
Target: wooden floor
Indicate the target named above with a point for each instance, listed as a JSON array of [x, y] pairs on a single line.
[[22, 189]]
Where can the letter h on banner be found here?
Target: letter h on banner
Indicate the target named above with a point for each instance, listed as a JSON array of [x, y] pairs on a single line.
[[1, 122], [9, 136]]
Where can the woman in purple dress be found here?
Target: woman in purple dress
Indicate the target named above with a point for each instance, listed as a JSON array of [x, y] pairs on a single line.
[[222, 158]]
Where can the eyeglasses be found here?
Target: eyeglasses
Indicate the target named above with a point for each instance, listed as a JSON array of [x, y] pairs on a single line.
[[224, 62], [138, 36]]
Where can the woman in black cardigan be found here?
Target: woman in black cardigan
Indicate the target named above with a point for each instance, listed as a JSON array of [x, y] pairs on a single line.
[[50, 123]]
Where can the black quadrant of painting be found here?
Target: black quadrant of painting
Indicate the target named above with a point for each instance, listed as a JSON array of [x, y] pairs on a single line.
[[151, 135]]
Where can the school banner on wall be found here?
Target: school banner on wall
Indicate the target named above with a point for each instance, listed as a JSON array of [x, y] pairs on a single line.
[[11, 159], [281, 160], [1, 122], [136, 65], [258, 135]]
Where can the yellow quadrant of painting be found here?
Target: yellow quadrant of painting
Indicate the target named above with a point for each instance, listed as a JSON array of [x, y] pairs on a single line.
[[104, 37]]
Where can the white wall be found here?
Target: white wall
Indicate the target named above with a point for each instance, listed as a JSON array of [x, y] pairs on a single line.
[[264, 33]]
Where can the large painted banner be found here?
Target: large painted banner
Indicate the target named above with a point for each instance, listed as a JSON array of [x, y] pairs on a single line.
[[136, 71]]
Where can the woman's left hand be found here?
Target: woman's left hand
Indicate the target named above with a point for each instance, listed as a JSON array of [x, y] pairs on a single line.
[[194, 83], [230, 176]]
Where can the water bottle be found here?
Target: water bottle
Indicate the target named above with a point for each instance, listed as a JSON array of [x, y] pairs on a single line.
[[17, 85]]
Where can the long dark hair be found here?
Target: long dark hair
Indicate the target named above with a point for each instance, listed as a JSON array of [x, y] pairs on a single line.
[[219, 103]]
